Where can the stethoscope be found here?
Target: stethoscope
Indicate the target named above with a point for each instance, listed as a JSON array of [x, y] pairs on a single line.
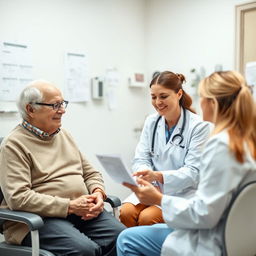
[[176, 139]]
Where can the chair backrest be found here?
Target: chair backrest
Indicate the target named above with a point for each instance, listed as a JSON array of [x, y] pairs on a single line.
[[239, 236]]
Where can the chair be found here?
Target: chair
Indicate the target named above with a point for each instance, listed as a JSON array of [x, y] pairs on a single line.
[[34, 222], [239, 234]]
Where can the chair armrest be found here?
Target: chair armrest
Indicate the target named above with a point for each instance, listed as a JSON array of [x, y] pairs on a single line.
[[114, 201], [33, 221]]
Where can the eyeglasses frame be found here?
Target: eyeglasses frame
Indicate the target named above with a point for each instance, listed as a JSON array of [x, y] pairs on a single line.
[[55, 106]]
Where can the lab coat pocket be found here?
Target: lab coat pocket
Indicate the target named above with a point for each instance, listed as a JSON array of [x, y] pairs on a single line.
[[179, 153]]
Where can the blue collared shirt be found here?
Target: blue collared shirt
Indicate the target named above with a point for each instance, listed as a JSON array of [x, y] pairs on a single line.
[[168, 132]]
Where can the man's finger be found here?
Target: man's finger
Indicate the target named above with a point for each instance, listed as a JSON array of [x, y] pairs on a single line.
[[97, 206], [92, 197]]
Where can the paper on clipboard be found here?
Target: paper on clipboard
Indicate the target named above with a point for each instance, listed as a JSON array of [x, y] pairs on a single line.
[[116, 169]]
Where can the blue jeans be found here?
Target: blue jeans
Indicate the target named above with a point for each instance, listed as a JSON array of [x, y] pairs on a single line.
[[142, 240]]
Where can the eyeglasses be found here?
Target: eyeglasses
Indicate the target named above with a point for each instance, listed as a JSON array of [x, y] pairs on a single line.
[[55, 106]]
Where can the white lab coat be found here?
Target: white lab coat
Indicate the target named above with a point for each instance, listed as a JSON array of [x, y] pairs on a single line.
[[198, 221], [180, 165]]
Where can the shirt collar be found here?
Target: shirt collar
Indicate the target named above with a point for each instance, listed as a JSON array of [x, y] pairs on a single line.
[[36, 130]]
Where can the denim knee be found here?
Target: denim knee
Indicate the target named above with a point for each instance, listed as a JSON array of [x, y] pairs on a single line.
[[84, 248]]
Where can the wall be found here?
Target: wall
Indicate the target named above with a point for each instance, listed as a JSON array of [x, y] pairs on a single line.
[[183, 34], [112, 33]]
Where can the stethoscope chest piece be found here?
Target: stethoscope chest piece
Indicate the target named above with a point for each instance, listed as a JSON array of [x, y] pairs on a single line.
[[177, 139]]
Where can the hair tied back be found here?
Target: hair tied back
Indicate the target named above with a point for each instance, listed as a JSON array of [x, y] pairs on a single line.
[[181, 77]]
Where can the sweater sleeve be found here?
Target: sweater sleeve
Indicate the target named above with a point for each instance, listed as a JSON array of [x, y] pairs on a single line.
[[15, 182], [92, 178]]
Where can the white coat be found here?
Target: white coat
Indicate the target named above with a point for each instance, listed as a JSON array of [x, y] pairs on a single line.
[[179, 163], [197, 222]]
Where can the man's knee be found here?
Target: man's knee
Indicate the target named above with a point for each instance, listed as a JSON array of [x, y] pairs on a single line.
[[118, 228], [84, 248]]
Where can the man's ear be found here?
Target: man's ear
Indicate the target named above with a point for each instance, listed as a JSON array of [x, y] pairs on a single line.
[[30, 110]]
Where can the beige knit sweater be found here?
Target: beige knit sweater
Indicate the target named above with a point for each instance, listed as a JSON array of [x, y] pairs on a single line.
[[41, 176]]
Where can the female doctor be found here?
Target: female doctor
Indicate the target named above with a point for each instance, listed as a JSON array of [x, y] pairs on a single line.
[[228, 160], [169, 148]]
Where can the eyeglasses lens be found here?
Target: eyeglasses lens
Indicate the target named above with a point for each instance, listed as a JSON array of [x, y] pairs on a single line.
[[59, 105]]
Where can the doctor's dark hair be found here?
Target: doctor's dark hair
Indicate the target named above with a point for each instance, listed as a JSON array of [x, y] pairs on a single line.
[[174, 82], [235, 109]]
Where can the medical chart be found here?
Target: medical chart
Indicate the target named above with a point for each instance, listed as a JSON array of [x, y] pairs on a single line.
[[77, 82], [16, 69], [116, 169]]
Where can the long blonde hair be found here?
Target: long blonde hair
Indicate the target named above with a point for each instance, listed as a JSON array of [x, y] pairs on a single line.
[[235, 109]]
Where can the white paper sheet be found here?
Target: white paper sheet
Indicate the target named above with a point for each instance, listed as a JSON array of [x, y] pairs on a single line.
[[77, 82], [116, 169], [16, 69], [112, 81]]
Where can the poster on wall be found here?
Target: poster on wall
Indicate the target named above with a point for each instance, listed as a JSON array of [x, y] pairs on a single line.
[[77, 81], [16, 69], [112, 80]]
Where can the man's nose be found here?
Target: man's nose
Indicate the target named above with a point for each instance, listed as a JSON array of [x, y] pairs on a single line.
[[61, 109]]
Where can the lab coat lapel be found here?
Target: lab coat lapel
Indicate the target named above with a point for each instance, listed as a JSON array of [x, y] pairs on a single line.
[[161, 134]]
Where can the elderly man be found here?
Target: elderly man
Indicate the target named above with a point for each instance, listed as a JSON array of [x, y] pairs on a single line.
[[43, 171]]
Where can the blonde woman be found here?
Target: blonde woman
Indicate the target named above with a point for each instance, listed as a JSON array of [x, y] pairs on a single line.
[[193, 226]]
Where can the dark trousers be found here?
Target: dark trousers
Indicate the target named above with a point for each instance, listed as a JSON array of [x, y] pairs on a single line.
[[76, 237]]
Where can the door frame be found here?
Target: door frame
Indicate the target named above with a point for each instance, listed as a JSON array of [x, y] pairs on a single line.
[[239, 38]]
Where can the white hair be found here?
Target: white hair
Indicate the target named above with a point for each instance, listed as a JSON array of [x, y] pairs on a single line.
[[29, 95]]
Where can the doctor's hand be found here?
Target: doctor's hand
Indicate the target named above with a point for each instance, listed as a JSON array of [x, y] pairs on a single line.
[[146, 192], [150, 175]]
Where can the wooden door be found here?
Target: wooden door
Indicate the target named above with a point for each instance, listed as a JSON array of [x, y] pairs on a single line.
[[245, 35]]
